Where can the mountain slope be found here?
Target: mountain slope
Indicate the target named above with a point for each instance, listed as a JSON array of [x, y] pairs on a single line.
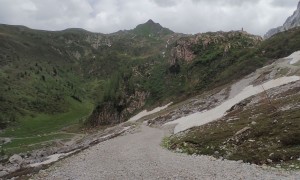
[[48, 77], [121, 72], [261, 129]]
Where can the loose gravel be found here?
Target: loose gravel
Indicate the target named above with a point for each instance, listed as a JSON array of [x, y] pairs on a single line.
[[140, 156]]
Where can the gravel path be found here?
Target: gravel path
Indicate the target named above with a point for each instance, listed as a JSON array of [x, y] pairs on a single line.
[[139, 156]]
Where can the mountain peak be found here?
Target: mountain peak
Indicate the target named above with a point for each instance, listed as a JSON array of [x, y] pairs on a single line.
[[150, 21], [151, 28]]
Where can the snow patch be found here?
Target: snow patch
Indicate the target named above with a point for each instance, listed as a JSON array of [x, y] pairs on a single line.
[[146, 113], [294, 58], [204, 117]]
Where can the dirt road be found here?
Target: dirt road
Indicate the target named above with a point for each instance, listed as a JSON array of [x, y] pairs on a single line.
[[140, 156]]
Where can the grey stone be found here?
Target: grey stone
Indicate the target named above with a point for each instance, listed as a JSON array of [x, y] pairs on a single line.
[[253, 123], [3, 173], [242, 130], [12, 169], [16, 159]]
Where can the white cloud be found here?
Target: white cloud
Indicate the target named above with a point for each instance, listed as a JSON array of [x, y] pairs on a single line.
[[187, 16]]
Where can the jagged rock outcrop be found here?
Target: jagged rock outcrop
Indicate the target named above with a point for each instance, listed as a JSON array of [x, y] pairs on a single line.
[[291, 22], [182, 51], [111, 112], [186, 49]]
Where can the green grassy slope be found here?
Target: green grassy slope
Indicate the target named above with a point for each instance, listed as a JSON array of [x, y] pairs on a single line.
[[51, 79]]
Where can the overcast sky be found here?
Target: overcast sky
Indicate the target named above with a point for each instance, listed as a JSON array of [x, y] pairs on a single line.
[[185, 16]]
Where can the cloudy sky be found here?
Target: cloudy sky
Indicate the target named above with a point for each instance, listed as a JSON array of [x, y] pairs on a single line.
[[186, 16]]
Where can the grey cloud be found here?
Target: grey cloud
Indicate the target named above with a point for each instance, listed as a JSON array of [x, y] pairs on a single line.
[[228, 2], [285, 3], [166, 3], [186, 16]]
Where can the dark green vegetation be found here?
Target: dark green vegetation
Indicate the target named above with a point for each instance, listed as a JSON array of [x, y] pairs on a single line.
[[270, 135], [282, 44], [51, 80]]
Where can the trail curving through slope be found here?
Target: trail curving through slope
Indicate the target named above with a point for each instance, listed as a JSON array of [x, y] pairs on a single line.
[[140, 156]]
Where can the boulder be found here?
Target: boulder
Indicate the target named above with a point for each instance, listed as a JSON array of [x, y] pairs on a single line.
[[16, 159], [3, 173], [253, 123]]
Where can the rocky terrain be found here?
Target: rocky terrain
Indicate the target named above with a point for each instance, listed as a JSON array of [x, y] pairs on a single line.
[[291, 22]]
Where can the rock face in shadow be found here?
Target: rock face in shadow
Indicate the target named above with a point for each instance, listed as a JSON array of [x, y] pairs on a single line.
[[110, 112], [291, 22]]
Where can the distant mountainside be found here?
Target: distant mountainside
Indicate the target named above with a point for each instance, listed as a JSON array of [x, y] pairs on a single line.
[[291, 22], [49, 73]]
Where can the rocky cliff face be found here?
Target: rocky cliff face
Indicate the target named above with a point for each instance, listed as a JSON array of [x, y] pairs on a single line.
[[291, 22], [186, 49], [112, 113]]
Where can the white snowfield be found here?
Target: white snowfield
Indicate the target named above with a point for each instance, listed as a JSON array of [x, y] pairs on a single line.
[[146, 113], [294, 58], [201, 118]]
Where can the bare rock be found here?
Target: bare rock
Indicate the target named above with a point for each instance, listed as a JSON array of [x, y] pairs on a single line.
[[253, 123], [16, 159], [242, 130], [3, 173]]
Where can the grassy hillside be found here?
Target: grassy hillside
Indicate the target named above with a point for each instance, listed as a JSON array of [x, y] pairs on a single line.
[[52, 79]]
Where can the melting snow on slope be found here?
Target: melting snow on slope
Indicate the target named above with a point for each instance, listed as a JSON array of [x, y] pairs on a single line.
[[146, 113], [200, 118], [294, 58]]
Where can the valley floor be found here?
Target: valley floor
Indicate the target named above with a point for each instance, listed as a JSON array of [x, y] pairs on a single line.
[[140, 156]]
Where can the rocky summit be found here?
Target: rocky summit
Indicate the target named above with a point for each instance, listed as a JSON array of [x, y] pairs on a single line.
[[291, 22]]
